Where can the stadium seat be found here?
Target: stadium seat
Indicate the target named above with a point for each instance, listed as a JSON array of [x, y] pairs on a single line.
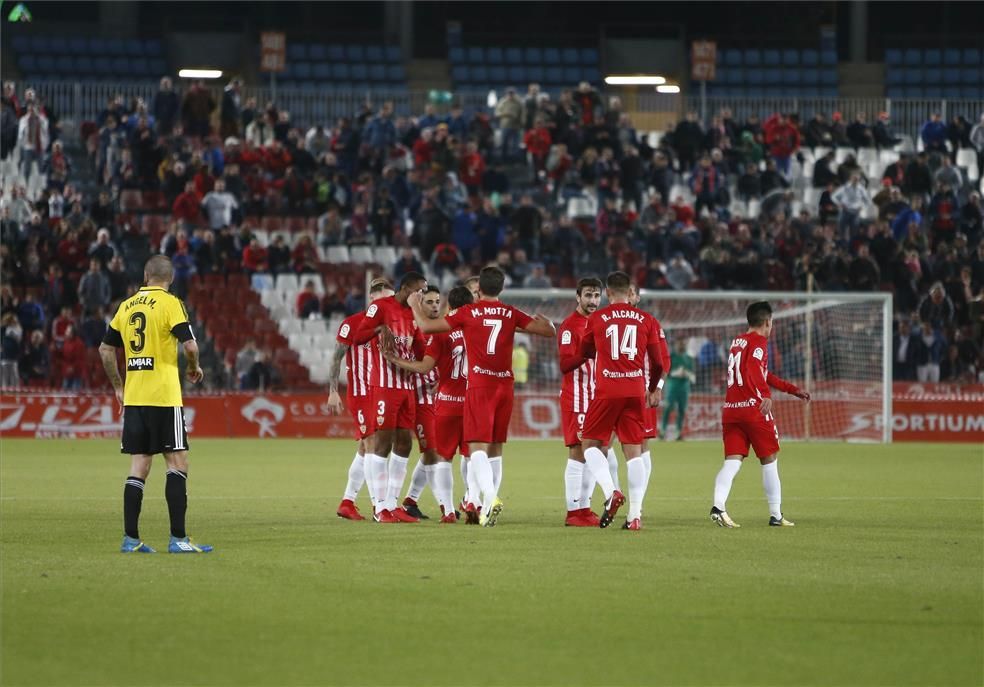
[[21, 44], [752, 57], [153, 48], [393, 54], [811, 57], [360, 72], [336, 53], [933, 76], [374, 53], [497, 75], [360, 254], [893, 57], [770, 58], [302, 70], [554, 75], [460, 74], [773, 76], [355, 53], [951, 75], [40, 44], [58, 46], [116, 47], [456, 55], [514, 56], [480, 74], [932, 57], [966, 157], [83, 64], [494, 55], [46, 63], [971, 56], [287, 282], [532, 56], [476, 55], [321, 71], [790, 57], [913, 76], [551, 56], [340, 71], [27, 63], [569, 56], [517, 74], [970, 75], [337, 254], [913, 57], [377, 72], [732, 57], [791, 76]]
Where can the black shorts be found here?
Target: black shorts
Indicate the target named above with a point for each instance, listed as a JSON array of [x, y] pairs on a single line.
[[151, 430]]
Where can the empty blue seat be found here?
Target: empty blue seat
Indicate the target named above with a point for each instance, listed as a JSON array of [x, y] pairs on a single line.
[[569, 56], [158, 66], [913, 75], [317, 53], [895, 76], [971, 56], [951, 56], [893, 57], [895, 92], [755, 77], [934, 91], [811, 76], [732, 75], [78, 46], [933, 75], [752, 57], [297, 52], [66, 65], [134, 48], [116, 46], [554, 75], [476, 55], [321, 71], [811, 57], [497, 74], [828, 77], [535, 73], [913, 57], [355, 53], [951, 75], [340, 71], [951, 92], [46, 63], [336, 53], [97, 46], [770, 58], [374, 53], [514, 55], [456, 55], [773, 76], [359, 72], [102, 66], [517, 74], [40, 45], [480, 73], [592, 75], [732, 57], [393, 54], [58, 46], [377, 72], [21, 44], [970, 75], [460, 73], [790, 57], [914, 92], [84, 65], [27, 63], [141, 66], [494, 56], [302, 70], [933, 57], [589, 57], [153, 48], [572, 75], [396, 73], [791, 76], [828, 57], [533, 55], [828, 91], [551, 56], [972, 92]]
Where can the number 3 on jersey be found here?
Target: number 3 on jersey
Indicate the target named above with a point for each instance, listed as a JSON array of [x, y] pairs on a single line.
[[734, 369], [626, 345]]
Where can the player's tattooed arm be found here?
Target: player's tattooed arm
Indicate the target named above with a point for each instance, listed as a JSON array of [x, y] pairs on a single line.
[[336, 366], [108, 355]]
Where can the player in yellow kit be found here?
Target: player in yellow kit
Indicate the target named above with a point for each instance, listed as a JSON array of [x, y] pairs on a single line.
[[148, 326]]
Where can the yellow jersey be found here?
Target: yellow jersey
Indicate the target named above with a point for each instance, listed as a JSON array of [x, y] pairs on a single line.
[[148, 326]]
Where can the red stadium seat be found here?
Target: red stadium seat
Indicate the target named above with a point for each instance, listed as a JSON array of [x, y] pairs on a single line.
[[271, 223], [130, 200]]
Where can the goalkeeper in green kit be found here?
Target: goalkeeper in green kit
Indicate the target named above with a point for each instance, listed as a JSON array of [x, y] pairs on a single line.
[[678, 387]]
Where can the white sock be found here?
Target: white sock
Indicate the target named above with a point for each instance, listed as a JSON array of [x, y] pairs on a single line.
[[648, 462], [356, 477], [598, 464], [573, 479], [463, 466], [773, 489], [418, 480], [496, 464], [613, 467], [483, 476], [474, 489], [637, 486], [588, 483], [722, 483], [378, 475], [394, 481], [442, 484]]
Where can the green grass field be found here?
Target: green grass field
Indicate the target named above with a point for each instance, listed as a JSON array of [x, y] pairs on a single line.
[[880, 583]]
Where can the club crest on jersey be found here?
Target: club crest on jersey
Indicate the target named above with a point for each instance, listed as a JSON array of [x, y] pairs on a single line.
[[363, 428], [380, 419]]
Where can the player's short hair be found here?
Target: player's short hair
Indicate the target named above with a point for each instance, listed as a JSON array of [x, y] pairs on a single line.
[[618, 282], [459, 296], [432, 289], [411, 278], [758, 313], [159, 268], [491, 280], [588, 283], [380, 284], [469, 281]]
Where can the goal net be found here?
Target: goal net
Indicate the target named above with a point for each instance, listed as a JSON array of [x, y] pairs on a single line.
[[835, 345]]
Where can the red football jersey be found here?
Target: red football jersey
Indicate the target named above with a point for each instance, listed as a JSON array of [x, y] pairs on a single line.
[[425, 384], [664, 352], [489, 328], [749, 378], [448, 349], [578, 387], [358, 359], [409, 342], [620, 337]]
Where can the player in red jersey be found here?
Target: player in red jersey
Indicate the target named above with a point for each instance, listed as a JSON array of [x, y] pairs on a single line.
[[425, 384], [746, 416], [394, 396], [358, 363], [620, 337], [651, 416], [489, 327], [576, 392], [445, 355]]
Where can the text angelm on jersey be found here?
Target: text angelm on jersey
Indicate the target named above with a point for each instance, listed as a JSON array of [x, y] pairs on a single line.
[[141, 300]]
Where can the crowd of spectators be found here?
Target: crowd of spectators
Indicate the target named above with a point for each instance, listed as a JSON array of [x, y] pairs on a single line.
[[548, 189]]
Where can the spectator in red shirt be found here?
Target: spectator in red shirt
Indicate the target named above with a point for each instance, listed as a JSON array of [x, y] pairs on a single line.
[[422, 151], [683, 213], [537, 142], [72, 253], [72, 360], [304, 256], [307, 301], [472, 168], [187, 206], [254, 258], [61, 325], [783, 140], [276, 159]]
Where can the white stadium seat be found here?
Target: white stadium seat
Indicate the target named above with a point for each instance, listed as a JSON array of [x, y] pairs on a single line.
[[287, 282], [312, 327], [888, 157], [966, 157], [299, 342], [385, 256], [289, 325], [811, 199], [972, 172], [842, 154], [337, 254], [263, 236], [867, 156], [360, 254], [261, 282], [754, 208]]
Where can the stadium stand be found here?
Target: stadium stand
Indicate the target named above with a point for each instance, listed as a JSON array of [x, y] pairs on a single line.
[[738, 201]]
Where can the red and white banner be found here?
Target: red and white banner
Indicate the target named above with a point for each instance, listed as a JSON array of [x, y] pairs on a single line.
[[921, 412]]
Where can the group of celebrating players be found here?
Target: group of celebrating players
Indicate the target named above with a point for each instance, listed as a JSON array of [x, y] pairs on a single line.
[[443, 372]]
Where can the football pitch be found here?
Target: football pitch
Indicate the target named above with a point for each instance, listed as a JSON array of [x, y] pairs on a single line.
[[880, 583]]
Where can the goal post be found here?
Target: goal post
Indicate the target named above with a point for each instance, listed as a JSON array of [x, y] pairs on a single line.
[[836, 345]]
